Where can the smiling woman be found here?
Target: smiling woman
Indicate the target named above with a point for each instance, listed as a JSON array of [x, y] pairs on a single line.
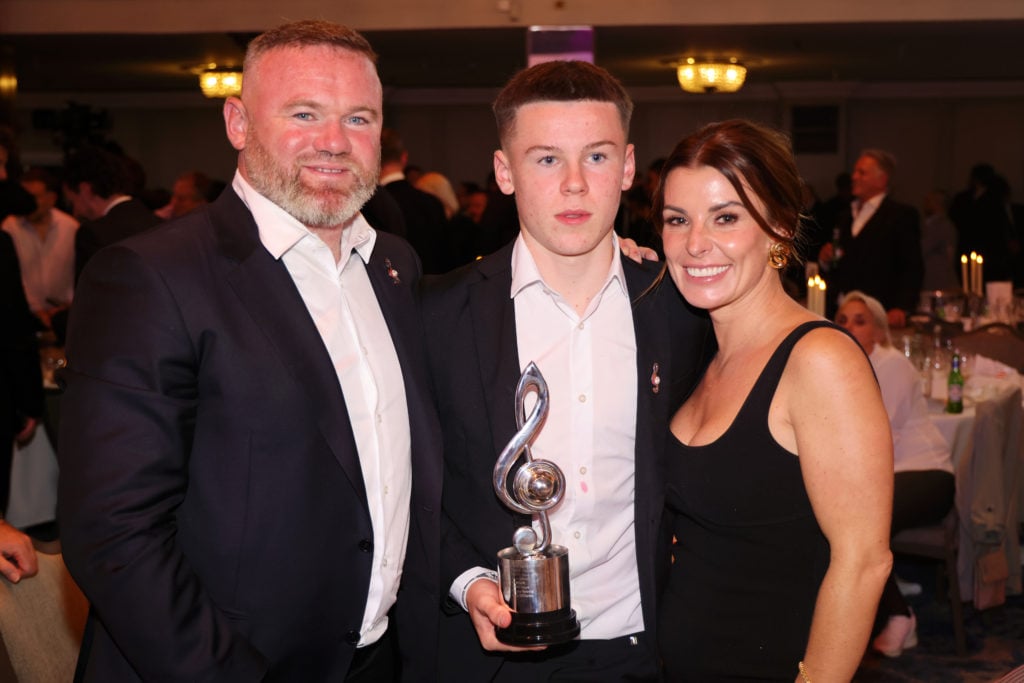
[[781, 460]]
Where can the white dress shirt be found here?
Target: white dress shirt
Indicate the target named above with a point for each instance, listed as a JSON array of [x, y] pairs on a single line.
[[342, 303], [917, 442], [863, 211], [47, 265], [589, 365]]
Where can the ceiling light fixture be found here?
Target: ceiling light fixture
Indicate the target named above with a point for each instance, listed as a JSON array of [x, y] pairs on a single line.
[[8, 85], [711, 75], [220, 82]]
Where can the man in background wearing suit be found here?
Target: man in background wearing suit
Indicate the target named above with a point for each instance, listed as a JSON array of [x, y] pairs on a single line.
[[96, 183], [617, 355], [425, 222], [880, 243], [250, 464]]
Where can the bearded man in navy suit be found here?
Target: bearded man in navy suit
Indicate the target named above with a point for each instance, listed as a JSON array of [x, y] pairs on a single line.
[[249, 455]]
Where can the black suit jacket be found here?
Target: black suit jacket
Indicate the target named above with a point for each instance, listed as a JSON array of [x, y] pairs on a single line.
[[123, 220], [211, 502], [474, 362], [425, 225], [884, 260]]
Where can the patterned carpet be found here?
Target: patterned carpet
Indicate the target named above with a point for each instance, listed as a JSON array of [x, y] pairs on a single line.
[[995, 639]]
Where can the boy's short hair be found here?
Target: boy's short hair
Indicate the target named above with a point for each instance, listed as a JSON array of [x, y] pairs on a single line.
[[559, 81]]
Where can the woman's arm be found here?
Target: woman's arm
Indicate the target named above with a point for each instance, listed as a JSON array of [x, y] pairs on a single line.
[[841, 433]]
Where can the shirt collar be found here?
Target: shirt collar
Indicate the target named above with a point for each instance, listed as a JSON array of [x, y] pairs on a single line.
[[280, 231], [119, 199], [392, 177], [525, 272], [873, 202]]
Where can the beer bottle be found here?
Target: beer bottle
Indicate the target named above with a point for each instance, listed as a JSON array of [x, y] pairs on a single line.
[[955, 393]]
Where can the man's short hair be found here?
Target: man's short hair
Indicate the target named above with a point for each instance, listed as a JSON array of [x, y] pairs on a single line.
[[885, 160], [307, 33], [392, 149], [559, 81], [105, 172], [200, 184]]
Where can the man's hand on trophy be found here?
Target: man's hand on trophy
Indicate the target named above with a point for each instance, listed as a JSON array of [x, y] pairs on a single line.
[[488, 611]]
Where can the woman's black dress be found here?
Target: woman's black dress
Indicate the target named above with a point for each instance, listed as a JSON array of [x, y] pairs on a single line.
[[750, 556]]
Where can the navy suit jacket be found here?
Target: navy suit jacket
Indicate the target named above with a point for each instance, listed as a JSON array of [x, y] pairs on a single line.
[[212, 505], [884, 260], [470, 323]]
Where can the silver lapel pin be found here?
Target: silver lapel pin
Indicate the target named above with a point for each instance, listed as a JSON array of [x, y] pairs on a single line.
[[655, 379]]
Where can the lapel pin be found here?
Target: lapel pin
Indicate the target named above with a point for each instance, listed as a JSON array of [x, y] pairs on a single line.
[[391, 271], [655, 379]]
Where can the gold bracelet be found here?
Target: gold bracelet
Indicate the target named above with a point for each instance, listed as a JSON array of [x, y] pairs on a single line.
[[803, 672]]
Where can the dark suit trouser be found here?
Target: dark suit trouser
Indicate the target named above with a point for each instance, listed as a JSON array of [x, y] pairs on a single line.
[[629, 658]]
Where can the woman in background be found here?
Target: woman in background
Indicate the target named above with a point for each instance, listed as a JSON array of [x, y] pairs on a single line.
[[780, 472], [924, 484]]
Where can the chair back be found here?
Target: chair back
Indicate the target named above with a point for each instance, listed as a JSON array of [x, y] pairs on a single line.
[[987, 497], [41, 623], [997, 341]]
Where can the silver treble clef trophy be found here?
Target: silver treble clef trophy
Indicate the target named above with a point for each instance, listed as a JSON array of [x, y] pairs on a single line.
[[533, 573]]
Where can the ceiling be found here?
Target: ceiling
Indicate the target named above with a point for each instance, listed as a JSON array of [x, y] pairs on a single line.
[[641, 56]]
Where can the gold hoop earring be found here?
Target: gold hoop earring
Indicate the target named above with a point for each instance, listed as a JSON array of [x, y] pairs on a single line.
[[778, 255]]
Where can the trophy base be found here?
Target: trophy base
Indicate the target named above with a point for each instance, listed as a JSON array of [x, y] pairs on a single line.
[[540, 628]]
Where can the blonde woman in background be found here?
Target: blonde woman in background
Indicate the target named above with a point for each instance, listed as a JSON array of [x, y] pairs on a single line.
[[924, 483]]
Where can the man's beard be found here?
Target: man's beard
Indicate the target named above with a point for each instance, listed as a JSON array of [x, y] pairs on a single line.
[[316, 207]]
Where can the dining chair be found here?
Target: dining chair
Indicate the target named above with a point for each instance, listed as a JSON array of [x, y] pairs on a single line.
[[1015, 676], [41, 623], [940, 542], [997, 341], [983, 518]]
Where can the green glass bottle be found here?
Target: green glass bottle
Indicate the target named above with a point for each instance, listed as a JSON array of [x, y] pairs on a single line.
[[955, 395]]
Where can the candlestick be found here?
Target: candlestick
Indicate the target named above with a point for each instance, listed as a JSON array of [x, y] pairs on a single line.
[[972, 283], [964, 284], [981, 278]]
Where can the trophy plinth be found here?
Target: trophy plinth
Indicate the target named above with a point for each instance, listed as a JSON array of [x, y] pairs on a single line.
[[533, 574], [536, 587]]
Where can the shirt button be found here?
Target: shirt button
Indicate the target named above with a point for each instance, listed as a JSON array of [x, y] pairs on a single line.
[[577, 535], [583, 470], [352, 637], [580, 326], [384, 562], [583, 398], [366, 545], [385, 490]]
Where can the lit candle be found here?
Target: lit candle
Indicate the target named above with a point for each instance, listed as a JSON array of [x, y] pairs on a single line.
[[981, 278], [963, 274], [821, 297], [974, 273]]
